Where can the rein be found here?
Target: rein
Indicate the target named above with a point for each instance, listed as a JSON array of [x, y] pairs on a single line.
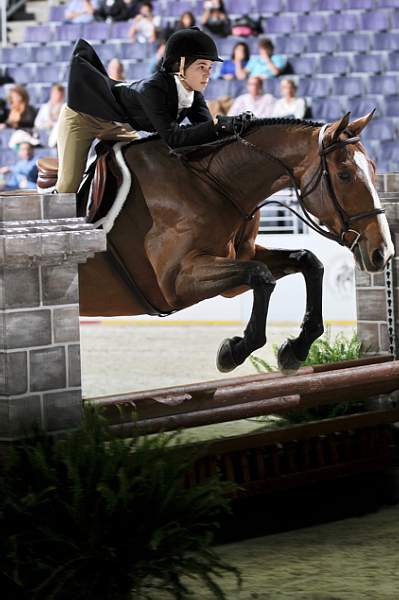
[[321, 176]]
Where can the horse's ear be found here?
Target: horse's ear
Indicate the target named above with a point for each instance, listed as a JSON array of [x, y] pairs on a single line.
[[338, 127], [357, 126]]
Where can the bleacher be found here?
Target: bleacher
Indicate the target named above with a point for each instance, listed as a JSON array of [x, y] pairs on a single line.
[[344, 55]]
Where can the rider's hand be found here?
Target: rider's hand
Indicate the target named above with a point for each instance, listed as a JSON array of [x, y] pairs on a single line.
[[232, 125]]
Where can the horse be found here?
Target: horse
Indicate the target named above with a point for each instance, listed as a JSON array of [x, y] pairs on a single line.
[[188, 227]]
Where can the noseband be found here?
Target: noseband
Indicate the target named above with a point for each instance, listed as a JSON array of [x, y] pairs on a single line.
[[321, 176]]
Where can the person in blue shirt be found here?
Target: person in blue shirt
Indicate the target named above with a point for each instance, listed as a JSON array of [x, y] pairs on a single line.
[[234, 68], [23, 174], [266, 64]]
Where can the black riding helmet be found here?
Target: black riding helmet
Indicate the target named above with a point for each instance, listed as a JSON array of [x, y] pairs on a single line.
[[190, 42]]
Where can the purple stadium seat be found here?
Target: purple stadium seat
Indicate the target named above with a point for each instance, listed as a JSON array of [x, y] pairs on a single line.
[[348, 86], [120, 30], [282, 24], [377, 20], [57, 13], [357, 42], [291, 44], [38, 33], [5, 135], [388, 40], [108, 51], [395, 20], [318, 87], [311, 23], [65, 52], [298, 6], [387, 85], [334, 64], [226, 45], [96, 31], [368, 63], [217, 88], [8, 157], [393, 61], [267, 6], [175, 9], [392, 106], [136, 71], [324, 44], [51, 74], [45, 54], [271, 86], [379, 129], [304, 65], [23, 74], [365, 4], [233, 7], [343, 22], [389, 4], [15, 55], [362, 106], [39, 93], [67, 33], [135, 51], [390, 151], [326, 109], [329, 5]]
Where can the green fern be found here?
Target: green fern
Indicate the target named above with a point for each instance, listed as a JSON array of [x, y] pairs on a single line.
[[92, 516]]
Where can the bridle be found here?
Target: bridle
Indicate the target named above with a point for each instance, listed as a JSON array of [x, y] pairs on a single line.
[[322, 177]]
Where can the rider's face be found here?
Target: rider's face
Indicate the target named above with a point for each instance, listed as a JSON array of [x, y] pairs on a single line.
[[197, 74]]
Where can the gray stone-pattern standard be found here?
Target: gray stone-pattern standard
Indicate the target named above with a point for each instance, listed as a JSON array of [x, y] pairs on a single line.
[[41, 244], [372, 289]]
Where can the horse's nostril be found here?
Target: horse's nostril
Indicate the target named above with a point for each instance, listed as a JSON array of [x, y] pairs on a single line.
[[378, 259]]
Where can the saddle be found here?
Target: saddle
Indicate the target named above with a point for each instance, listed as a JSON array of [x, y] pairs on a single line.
[[95, 177]]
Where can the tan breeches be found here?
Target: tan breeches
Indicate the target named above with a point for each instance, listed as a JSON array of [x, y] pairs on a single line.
[[76, 132]]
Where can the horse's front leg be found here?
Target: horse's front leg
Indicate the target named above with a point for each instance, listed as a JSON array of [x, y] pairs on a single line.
[[206, 277], [284, 262]]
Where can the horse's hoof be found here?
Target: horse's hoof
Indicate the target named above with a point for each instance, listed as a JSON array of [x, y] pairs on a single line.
[[286, 359], [225, 361]]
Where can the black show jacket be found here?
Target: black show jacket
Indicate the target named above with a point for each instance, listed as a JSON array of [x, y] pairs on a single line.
[[147, 105]]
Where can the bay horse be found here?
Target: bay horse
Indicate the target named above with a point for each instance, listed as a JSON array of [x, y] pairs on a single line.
[[188, 227]]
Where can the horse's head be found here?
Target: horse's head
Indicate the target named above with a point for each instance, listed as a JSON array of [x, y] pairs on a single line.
[[349, 205]]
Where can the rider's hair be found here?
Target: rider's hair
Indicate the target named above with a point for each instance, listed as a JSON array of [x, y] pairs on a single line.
[[175, 66]]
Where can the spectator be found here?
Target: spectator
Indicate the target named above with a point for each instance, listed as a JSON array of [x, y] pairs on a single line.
[[289, 105], [234, 68], [185, 21], [80, 11], [266, 64], [215, 18], [156, 61], [260, 104], [21, 115], [116, 10], [23, 174], [143, 29], [116, 70], [49, 112]]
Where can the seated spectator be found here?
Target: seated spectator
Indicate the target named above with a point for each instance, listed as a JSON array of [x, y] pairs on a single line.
[[47, 117], [246, 26], [80, 11], [21, 115], [49, 112], [23, 174], [289, 105], [143, 29], [156, 61], [116, 10], [116, 70], [260, 104], [266, 64], [215, 18], [234, 68], [187, 19]]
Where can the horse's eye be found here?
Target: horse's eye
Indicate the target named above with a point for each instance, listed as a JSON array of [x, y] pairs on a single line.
[[345, 176]]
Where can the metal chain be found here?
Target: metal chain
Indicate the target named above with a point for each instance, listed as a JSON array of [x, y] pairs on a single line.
[[390, 308]]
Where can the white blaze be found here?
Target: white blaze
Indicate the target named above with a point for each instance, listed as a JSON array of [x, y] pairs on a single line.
[[364, 166]]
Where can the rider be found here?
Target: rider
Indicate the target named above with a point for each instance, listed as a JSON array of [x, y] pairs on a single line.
[[99, 107]]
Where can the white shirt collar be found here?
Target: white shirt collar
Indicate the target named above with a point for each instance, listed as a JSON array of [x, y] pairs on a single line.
[[185, 98]]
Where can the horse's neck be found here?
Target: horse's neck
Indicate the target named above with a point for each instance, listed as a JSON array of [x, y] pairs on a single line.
[[252, 175]]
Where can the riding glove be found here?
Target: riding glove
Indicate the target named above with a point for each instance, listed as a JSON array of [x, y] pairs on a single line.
[[232, 125]]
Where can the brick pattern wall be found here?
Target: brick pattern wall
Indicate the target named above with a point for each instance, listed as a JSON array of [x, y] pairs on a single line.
[[41, 244], [371, 289]]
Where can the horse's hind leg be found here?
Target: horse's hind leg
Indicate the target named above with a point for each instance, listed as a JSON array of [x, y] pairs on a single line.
[[284, 262], [207, 277]]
